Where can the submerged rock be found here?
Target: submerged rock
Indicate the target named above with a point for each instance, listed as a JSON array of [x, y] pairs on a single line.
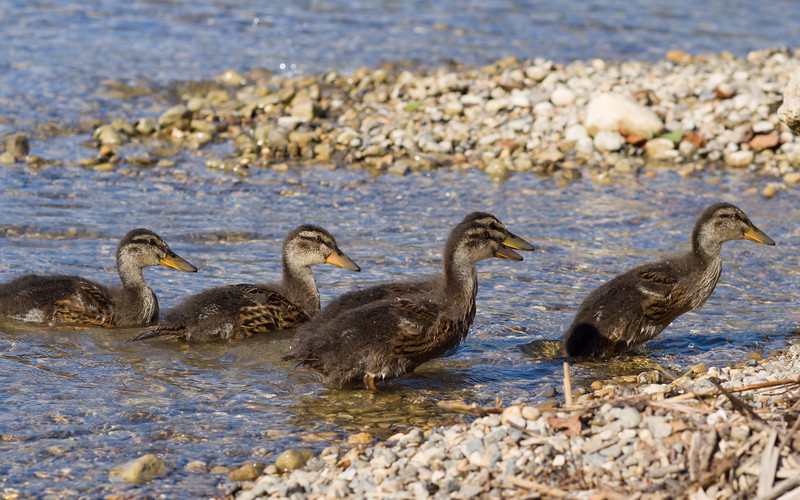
[[293, 459], [140, 470]]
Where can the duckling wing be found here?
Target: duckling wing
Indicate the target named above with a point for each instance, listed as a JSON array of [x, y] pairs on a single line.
[[267, 310], [64, 300], [422, 333], [376, 293], [664, 297], [88, 304]]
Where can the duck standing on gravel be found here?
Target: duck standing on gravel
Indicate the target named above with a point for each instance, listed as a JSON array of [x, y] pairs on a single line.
[[71, 300], [239, 311], [637, 305], [388, 330]]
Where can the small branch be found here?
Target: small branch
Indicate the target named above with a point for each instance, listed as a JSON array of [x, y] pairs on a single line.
[[567, 385], [541, 488], [736, 402], [769, 464]]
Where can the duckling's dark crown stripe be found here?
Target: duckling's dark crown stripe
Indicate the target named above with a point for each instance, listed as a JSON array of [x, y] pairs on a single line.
[[315, 237]]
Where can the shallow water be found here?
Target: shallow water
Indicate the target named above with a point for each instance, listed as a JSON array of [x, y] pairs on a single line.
[[76, 404]]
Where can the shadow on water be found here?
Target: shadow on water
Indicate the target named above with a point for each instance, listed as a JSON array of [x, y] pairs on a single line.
[[78, 403]]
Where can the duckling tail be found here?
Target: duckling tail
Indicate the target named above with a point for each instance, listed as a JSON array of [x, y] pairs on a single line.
[[169, 331]]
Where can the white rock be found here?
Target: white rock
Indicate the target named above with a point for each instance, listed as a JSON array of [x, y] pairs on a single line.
[[519, 99], [562, 96], [789, 112], [660, 148], [739, 158], [575, 133], [606, 140], [612, 111], [762, 127]]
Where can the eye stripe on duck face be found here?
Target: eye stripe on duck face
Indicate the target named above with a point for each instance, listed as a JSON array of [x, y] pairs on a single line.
[[317, 238], [480, 234], [149, 240]]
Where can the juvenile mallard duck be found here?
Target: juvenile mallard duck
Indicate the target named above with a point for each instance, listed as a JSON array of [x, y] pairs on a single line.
[[72, 300], [388, 330], [240, 311], [637, 305]]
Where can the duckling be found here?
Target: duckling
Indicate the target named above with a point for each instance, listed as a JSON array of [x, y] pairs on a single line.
[[72, 300], [637, 305], [239, 311], [388, 330]]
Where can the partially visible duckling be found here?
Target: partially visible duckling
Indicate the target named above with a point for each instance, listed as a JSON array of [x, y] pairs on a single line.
[[72, 300], [240, 311], [388, 330], [637, 305]]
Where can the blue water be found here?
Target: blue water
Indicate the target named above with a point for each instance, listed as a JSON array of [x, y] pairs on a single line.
[[56, 56], [76, 404]]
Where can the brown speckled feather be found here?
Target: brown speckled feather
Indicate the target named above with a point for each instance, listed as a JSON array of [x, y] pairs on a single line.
[[90, 306], [270, 311]]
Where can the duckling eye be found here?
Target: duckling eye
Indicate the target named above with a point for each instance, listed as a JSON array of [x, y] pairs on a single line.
[[318, 239], [486, 234]]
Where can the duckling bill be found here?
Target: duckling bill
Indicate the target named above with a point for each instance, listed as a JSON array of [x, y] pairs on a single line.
[[388, 330], [72, 300], [240, 311], [637, 305]]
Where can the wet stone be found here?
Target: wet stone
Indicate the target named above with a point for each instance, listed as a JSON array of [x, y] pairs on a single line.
[[140, 470], [293, 459]]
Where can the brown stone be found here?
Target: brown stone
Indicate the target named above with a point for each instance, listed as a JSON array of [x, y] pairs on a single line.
[[631, 138], [696, 138], [765, 141], [678, 56]]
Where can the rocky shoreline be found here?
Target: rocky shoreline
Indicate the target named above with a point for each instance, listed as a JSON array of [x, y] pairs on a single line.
[[714, 432], [595, 118]]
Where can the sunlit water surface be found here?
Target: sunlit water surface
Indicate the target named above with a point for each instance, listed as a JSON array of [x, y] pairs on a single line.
[[77, 404]]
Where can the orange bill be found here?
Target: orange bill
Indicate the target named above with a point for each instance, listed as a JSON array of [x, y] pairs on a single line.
[[177, 262], [503, 252], [757, 235], [338, 258]]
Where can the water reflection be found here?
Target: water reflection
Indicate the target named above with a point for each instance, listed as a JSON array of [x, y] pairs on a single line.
[[77, 403]]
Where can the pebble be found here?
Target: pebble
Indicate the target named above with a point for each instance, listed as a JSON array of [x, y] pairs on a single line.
[[717, 110], [607, 141], [739, 158], [621, 447]]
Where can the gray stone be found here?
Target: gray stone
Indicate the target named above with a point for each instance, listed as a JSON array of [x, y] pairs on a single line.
[[629, 417], [659, 426], [175, 116]]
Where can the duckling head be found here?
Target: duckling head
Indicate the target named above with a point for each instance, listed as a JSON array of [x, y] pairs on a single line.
[[482, 236], [723, 222], [142, 248], [309, 245]]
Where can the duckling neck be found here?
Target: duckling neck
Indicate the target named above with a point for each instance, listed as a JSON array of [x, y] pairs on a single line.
[[139, 297], [705, 246], [300, 287], [459, 284]]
